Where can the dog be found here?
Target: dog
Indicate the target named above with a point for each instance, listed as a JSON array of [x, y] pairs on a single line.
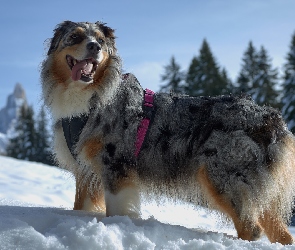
[[118, 140]]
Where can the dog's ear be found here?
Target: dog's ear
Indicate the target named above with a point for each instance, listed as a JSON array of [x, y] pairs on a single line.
[[109, 34], [59, 32]]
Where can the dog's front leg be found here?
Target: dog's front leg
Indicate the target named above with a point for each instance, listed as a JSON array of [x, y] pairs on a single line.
[[89, 196], [122, 196]]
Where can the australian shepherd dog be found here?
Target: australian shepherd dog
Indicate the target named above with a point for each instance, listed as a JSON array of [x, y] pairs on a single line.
[[224, 152]]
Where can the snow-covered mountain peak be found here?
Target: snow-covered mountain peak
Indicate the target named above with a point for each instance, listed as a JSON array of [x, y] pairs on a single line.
[[9, 114]]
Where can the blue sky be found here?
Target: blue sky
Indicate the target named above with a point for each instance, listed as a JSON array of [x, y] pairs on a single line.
[[149, 33]]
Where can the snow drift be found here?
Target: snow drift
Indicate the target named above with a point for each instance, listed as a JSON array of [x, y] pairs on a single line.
[[35, 213]]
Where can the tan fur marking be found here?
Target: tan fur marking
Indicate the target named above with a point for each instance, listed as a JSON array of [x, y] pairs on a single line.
[[60, 69], [92, 147], [82, 193], [79, 30], [246, 230], [99, 34], [275, 229]]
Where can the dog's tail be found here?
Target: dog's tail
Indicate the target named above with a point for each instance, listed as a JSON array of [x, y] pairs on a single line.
[[273, 136], [281, 160]]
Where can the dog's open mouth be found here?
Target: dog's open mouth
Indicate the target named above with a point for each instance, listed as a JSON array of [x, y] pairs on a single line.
[[82, 69]]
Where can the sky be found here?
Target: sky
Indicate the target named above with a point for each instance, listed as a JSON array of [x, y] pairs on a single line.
[[148, 34]]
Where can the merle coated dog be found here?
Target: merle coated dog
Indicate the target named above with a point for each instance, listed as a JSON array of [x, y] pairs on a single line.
[[224, 152]]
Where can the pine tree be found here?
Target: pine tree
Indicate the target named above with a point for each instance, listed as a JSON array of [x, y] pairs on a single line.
[[204, 77], [288, 100], [15, 147], [30, 135], [43, 152], [265, 88], [22, 144], [257, 77], [249, 71], [194, 85], [173, 76]]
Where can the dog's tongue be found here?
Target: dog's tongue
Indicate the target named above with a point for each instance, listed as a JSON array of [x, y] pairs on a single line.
[[82, 66]]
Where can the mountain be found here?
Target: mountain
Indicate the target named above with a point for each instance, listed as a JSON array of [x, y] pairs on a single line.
[[9, 113]]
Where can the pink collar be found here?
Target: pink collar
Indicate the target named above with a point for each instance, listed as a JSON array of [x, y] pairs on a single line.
[[148, 109]]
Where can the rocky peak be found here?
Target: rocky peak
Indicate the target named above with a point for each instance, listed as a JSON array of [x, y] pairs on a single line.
[[19, 92], [10, 112]]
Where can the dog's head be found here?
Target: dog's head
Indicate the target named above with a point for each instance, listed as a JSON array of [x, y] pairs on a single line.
[[79, 51]]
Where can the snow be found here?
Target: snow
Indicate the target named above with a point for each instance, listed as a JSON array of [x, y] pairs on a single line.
[[3, 143], [35, 213]]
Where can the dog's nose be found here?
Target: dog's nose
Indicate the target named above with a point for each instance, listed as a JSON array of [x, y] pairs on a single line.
[[93, 47]]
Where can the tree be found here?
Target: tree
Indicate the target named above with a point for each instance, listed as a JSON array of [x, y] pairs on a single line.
[[249, 71], [266, 87], [204, 77], [257, 77], [22, 144], [193, 82], [30, 142], [173, 76], [288, 100], [30, 134], [43, 152], [15, 147]]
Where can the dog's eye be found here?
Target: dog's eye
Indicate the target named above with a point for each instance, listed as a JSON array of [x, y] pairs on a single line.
[[74, 36], [100, 40]]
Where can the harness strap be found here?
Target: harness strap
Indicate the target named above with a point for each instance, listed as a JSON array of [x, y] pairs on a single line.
[[148, 109]]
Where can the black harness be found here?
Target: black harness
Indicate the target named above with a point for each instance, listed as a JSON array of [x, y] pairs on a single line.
[[72, 128]]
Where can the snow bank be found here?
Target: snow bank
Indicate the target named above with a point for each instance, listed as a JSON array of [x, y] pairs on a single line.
[[35, 183], [55, 228], [52, 225]]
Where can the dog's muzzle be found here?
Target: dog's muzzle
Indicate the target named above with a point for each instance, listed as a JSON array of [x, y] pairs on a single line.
[[93, 48], [82, 69]]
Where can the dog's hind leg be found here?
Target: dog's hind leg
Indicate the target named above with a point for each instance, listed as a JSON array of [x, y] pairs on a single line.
[[246, 229], [89, 199], [275, 229], [123, 197]]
